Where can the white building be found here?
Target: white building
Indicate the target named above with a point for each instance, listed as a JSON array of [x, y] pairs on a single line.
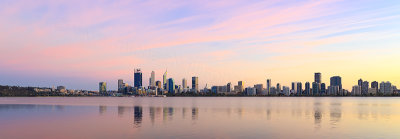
[[356, 91]]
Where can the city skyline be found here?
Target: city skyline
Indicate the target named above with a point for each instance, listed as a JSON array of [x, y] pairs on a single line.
[[80, 43]]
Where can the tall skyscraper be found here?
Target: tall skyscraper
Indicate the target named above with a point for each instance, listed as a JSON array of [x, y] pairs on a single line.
[[386, 88], [299, 89], [195, 84], [375, 85], [102, 87], [240, 86], [307, 88], [121, 85], [269, 86], [323, 89], [278, 89], [317, 77], [138, 78], [336, 81], [171, 86], [360, 82], [165, 80], [153, 79], [316, 88], [229, 87], [364, 88], [184, 83]]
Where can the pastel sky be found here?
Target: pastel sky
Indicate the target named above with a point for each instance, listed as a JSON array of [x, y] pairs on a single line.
[[78, 43]]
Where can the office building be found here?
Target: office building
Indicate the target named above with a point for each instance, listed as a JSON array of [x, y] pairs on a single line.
[[152, 79], [229, 87], [137, 78], [299, 89], [240, 86], [121, 85], [165, 80], [259, 89], [307, 88], [171, 86], [315, 88], [386, 88], [375, 85], [356, 91], [317, 77], [323, 89], [285, 90], [195, 84], [364, 88], [269, 86], [336, 81], [102, 87]]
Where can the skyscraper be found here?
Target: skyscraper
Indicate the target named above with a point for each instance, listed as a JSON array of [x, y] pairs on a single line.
[[165, 80], [240, 86], [364, 88], [375, 85], [152, 79], [171, 86], [195, 84], [229, 87], [307, 88], [269, 86], [336, 81], [158, 84], [137, 78], [299, 89], [360, 82], [386, 88], [184, 83], [102, 87], [120, 85], [317, 77], [259, 88], [315, 88], [278, 89], [323, 89]]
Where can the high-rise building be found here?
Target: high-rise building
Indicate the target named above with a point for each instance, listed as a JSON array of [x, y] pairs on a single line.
[[259, 88], [307, 89], [294, 86], [299, 88], [323, 89], [158, 84], [364, 88], [375, 85], [165, 80], [317, 77], [285, 90], [336, 81], [152, 79], [171, 86], [102, 87], [315, 88], [121, 85], [229, 87], [386, 88], [184, 83], [356, 91], [360, 82], [137, 78], [240, 86], [195, 84], [269, 86]]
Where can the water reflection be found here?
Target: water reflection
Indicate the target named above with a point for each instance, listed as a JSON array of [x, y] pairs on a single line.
[[138, 115]]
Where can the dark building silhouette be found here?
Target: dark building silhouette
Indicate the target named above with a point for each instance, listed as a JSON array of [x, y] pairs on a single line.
[[336, 81], [138, 78], [317, 77], [323, 88]]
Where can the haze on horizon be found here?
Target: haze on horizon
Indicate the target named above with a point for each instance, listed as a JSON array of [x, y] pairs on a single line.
[[80, 43]]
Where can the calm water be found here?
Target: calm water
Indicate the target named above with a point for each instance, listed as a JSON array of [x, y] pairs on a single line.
[[219, 117]]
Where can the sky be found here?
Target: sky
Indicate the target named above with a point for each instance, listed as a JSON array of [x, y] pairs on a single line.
[[79, 43]]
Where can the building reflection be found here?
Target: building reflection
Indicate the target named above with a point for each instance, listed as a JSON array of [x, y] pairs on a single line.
[[152, 112], [138, 116], [317, 115], [195, 113], [102, 109], [335, 114]]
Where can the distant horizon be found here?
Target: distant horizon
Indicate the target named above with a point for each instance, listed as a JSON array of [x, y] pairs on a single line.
[[78, 44]]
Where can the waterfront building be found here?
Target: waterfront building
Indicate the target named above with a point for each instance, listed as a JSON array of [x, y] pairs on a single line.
[[360, 83], [120, 85], [299, 89], [158, 84], [375, 85], [356, 90], [171, 86], [307, 89], [195, 84], [137, 78], [259, 89], [286, 90], [323, 89], [315, 88], [317, 77], [278, 89], [386, 88], [372, 91], [152, 79], [364, 88], [336, 81], [268, 86], [165, 80], [102, 87], [229, 87], [251, 91]]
